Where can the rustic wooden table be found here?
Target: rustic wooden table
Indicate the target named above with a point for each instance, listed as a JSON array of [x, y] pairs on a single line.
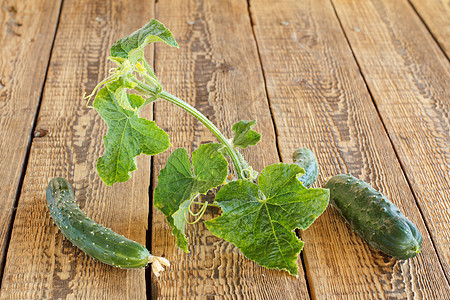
[[364, 84]]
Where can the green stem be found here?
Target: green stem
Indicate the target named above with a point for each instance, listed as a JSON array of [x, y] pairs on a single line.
[[202, 203], [193, 197], [199, 116], [143, 92], [199, 214], [148, 68]]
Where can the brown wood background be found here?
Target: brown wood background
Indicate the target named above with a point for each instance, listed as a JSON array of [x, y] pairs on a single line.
[[363, 83]]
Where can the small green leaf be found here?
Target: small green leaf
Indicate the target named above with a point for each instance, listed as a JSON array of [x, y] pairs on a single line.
[[122, 99], [121, 82], [132, 46], [179, 225], [126, 101], [243, 135], [177, 183], [128, 136], [135, 101], [266, 215]]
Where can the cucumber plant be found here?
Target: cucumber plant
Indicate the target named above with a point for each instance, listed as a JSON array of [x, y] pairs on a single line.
[[259, 211]]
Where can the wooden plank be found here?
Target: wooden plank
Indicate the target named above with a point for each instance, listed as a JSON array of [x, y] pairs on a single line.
[[40, 263], [217, 70], [24, 25], [436, 15], [409, 78], [319, 100]]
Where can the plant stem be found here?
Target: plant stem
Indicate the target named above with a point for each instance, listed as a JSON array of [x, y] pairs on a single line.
[[199, 116], [202, 203]]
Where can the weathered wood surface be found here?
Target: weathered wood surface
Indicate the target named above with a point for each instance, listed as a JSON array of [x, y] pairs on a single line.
[[436, 15], [410, 87], [361, 83], [23, 25], [40, 263], [218, 72], [319, 100]]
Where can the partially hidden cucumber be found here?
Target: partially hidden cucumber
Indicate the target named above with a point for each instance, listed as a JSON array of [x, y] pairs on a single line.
[[306, 159], [373, 217], [94, 239]]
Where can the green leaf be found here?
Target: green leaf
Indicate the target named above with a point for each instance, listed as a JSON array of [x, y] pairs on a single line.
[[243, 135], [121, 82], [175, 186], [179, 225], [126, 101], [132, 46], [128, 136], [135, 101], [122, 98], [260, 220], [177, 183], [210, 167]]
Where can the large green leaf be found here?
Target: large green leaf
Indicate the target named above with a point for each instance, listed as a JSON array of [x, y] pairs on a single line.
[[260, 220], [244, 136], [128, 136], [177, 183], [132, 46]]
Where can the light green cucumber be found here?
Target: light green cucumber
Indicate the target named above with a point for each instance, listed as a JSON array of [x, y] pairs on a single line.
[[94, 239], [306, 159], [373, 217]]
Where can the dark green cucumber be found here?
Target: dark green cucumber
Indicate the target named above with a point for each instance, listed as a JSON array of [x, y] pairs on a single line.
[[94, 239], [373, 217], [306, 159]]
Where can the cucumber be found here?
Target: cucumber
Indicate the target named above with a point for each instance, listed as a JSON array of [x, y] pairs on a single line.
[[94, 239], [373, 217], [306, 159]]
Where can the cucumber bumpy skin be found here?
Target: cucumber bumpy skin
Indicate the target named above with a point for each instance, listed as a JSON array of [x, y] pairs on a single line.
[[306, 159], [373, 217], [94, 239]]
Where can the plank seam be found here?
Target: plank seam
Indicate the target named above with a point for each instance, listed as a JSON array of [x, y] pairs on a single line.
[[148, 240], [277, 142], [390, 141], [149, 235], [27, 154], [428, 29]]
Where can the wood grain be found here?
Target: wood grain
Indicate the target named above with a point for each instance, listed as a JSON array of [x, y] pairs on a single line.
[[436, 15], [24, 25], [40, 263], [319, 100], [410, 85], [217, 70]]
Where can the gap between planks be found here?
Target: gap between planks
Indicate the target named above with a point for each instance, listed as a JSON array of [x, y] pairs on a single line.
[[277, 143], [149, 233], [76, 37], [224, 271], [27, 153], [428, 28]]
